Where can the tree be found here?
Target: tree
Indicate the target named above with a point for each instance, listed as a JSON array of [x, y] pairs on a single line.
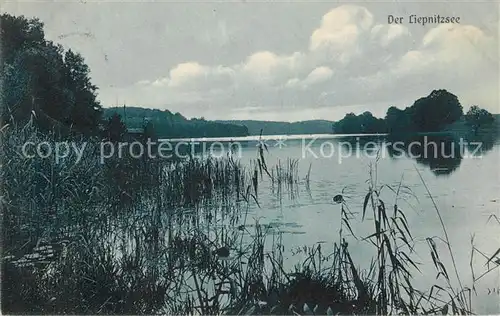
[[18, 32], [477, 117], [85, 111], [149, 132], [115, 128], [169, 125], [398, 121], [40, 80], [363, 123], [348, 125], [370, 124], [433, 112]]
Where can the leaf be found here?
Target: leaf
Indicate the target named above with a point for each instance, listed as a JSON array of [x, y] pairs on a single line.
[[454, 307], [346, 222], [255, 199], [444, 310], [410, 261], [405, 226], [373, 235], [381, 209], [443, 269], [365, 203], [494, 255], [434, 259]]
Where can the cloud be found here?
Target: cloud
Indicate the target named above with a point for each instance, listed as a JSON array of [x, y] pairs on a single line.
[[451, 52], [185, 73], [269, 68], [386, 34], [342, 35], [348, 60], [335, 41], [341, 28], [317, 75], [191, 76]]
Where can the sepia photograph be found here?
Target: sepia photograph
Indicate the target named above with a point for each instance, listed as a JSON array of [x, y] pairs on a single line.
[[249, 157]]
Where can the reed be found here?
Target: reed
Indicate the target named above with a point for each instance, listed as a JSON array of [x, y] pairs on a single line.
[[147, 237]]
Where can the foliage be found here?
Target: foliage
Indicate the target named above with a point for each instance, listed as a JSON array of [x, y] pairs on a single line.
[[170, 125], [427, 114], [477, 117], [154, 254], [149, 131], [433, 112], [284, 128], [115, 129], [398, 121], [363, 123]]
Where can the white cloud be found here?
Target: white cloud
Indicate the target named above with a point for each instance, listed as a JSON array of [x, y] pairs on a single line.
[[386, 34], [461, 50], [341, 27], [317, 75], [266, 67], [186, 72], [191, 76]]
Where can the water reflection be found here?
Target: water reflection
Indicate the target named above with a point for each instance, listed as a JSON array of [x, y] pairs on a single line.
[[482, 143], [442, 154]]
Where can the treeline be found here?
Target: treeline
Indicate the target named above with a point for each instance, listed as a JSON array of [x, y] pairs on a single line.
[[427, 114], [360, 124], [173, 125], [284, 128]]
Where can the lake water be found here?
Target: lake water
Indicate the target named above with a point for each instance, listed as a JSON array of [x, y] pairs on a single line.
[[465, 188]]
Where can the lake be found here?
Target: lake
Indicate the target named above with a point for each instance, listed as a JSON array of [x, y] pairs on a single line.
[[465, 188]]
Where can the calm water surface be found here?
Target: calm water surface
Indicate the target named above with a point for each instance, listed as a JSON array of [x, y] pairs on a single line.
[[466, 191]]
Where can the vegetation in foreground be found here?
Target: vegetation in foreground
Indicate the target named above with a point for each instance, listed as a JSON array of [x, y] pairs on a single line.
[[147, 237]]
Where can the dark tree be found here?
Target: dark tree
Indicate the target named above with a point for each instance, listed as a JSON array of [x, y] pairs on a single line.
[[169, 125], [433, 112], [398, 121], [348, 125], [149, 131], [42, 82], [17, 33], [370, 124], [477, 117], [115, 128], [363, 123], [85, 111]]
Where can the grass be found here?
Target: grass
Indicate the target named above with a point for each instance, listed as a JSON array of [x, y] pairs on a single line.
[[147, 237]]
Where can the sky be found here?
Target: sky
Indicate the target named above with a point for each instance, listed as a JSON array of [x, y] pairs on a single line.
[[286, 61]]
